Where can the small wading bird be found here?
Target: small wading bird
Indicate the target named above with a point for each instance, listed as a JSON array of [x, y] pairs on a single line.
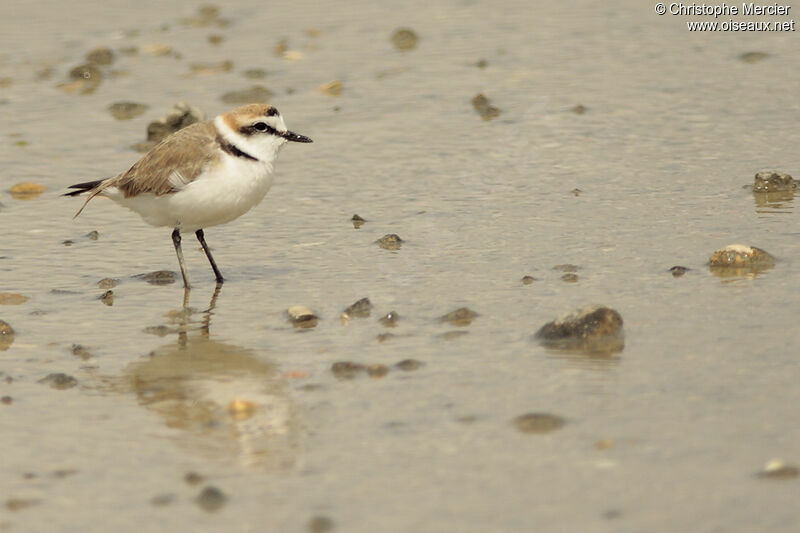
[[206, 174]]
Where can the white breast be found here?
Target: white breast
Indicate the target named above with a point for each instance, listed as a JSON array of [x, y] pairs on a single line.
[[220, 194]]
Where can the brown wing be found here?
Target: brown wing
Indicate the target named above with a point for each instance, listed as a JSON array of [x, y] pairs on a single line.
[[173, 162]]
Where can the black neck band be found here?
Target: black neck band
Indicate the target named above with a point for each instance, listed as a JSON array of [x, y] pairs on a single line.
[[229, 148]]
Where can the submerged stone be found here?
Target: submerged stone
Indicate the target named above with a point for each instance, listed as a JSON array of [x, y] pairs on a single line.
[[302, 317], [126, 110], [360, 309], [773, 181], [538, 423], [389, 320], [211, 499], [100, 56], [679, 271], [391, 241], [181, 115], [256, 93], [481, 105], [59, 381], [158, 277], [462, 316], [592, 330], [778, 469], [6, 335], [404, 39], [740, 260]]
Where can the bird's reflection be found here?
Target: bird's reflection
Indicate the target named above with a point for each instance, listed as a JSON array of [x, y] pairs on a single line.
[[225, 401]]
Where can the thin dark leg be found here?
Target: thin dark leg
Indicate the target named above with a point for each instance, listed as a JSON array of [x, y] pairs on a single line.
[[202, 238], [176, 240]]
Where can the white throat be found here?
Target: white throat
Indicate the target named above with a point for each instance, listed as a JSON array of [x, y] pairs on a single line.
[[264, 148]]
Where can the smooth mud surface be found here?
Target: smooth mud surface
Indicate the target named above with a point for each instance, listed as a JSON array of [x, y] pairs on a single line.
[[608, 139]]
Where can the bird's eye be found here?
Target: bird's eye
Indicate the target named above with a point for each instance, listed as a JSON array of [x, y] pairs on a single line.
[[260, 126]]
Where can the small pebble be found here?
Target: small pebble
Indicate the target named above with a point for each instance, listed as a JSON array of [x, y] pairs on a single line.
[[383, 337], [576, 192], [462, 316], [211, 499], [527, 280], [162, 500], [10, 298], [59, 381], [346, 369], [320, 524], [211, 68], [6, 335], [390, 241], [126, 110], [215, 39], [332, 88], [158, 277], [302, 317], [377, 370], [481, 63], [389, 320], [6, 400], [68, 242], [566, 268], [158, 331], [404, 39], [255, 73], [481, 105], [79, 350], [107, 283], [193, 478], [452, 335], [17, 504], [256, 93], [778, 469], [569, 277], [107, 298], [357, 221], [156, 49], [360, 309], [538, 423], [242, 409], [679, 271], [753, 57], [100, 56], [408, 365], [579, 109], [26, 190], [180, 116], [281, 47]]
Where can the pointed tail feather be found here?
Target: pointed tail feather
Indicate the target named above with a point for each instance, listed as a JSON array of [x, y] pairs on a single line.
[[94, 187], [82, 187]]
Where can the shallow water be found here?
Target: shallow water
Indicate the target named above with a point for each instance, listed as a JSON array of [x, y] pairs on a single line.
[[665, 436]]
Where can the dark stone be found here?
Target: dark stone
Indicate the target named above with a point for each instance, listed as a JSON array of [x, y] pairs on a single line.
[[211, 499], [538, 423], [360, 309], [462, 316], [594, 330], [59, 381]]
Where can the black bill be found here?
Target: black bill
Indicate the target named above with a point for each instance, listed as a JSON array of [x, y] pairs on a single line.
[[295, 137]]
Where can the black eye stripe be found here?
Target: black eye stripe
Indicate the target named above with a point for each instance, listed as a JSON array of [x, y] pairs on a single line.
[[257, 128], [271, 112]]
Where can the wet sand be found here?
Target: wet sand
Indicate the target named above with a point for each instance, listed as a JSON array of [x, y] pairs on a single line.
[[216, 413]]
